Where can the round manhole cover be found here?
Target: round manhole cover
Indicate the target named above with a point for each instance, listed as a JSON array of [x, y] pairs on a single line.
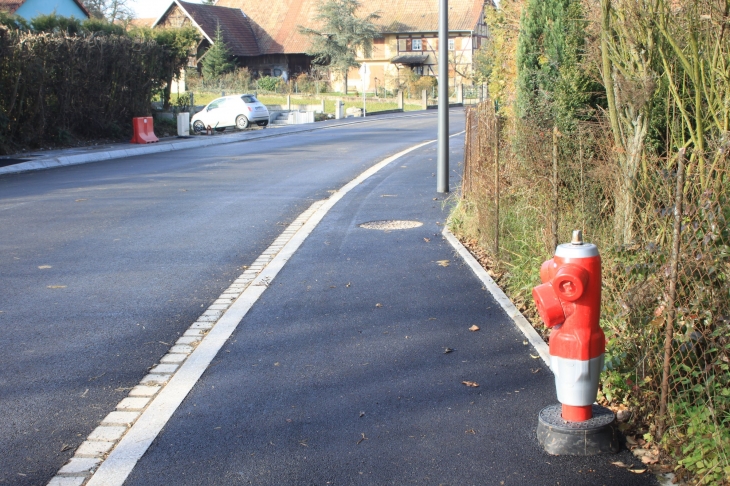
[[392, 224]]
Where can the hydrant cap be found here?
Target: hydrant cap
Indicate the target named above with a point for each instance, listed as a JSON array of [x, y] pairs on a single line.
[[569, 250]]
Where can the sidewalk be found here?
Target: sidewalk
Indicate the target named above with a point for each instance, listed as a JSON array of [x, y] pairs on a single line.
[[47, 159], [350, 367]]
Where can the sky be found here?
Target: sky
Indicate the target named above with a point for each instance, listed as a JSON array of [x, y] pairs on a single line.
[[145, 9]]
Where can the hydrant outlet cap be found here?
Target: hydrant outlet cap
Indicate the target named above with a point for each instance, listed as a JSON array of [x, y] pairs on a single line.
[[569, 250]]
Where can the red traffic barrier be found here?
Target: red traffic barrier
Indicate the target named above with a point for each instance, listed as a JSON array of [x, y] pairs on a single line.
[[143, 130], [569, 302]]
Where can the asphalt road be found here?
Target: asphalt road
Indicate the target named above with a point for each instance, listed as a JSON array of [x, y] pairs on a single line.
[[103, 266]]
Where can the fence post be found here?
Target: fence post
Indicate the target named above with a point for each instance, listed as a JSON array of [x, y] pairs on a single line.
[[554, 223], [671, 311], [400, 99], [496, 187], [424, 99]]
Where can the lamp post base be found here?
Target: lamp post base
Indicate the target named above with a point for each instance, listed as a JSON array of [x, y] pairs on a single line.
[[597, 435]]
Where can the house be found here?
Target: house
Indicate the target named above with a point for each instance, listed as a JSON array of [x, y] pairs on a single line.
[[265, 36], [248, 46], [29, 9], [409, 30]]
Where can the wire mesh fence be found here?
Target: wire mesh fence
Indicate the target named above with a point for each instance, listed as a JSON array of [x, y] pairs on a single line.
[[666, 299]]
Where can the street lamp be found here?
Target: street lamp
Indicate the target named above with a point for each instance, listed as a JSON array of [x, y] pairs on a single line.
[[442, 164]]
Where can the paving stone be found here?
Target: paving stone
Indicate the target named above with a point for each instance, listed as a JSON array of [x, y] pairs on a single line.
[[188, 340], [205, 318], [153, 378], [165, 369], [218, 307], [108, 433], [67, 481], [120, 418], [175, 357], [93, 448], [144, 390], [80, 465], [195, 332], [201, 325], [181, 348], [133, 403]]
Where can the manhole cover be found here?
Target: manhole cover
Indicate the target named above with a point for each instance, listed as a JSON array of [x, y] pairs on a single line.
[[391, 225]]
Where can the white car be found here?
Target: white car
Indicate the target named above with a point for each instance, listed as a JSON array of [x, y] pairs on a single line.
[[238, 111]]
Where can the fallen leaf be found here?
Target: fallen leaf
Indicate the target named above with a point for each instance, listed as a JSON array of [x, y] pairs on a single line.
[[534, 357], [348, 285], [435, 199], [427, 240], [535, 370], [363, 438], [638, 471], [474, 328], [448, 350], [79, 200], [621, 464], [471, 384], [443, 263], [378, 305], [56, 286], [525, 343], [43, 267], [470, 431], [630, 440], [65, 447], [362, 414]]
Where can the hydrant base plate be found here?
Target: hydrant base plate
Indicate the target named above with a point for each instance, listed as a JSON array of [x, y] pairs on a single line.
[[560, 437]]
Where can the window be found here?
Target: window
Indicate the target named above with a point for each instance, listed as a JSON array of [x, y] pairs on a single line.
[[452, 44], [248, 99], [416, 45]]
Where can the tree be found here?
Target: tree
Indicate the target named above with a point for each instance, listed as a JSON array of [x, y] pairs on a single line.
[[217, 60], [180, 42], [341, 36], [112, 10], [628, 59], [551, 85]]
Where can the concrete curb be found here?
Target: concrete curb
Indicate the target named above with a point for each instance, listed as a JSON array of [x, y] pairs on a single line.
[[520, 321], [76, 159]]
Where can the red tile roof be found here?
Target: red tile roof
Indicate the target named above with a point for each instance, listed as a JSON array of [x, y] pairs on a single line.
[[235, 27], [275, 22]]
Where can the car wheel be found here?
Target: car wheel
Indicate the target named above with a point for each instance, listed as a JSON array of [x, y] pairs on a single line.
[[198, 126], [220, 129], [241, 122], [262, 123]]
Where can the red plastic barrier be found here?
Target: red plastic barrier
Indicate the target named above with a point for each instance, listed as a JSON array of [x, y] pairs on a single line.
[[143, 130]]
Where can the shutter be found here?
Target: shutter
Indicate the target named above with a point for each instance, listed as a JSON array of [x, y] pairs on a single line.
[[402, 45], [409, 45]]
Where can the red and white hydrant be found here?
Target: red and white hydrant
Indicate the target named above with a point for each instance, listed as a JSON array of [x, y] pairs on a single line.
[[569, 302]]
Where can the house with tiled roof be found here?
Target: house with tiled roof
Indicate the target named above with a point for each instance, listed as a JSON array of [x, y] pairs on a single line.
[[265, 36], [409, 30], [239, 34], [29, 9]]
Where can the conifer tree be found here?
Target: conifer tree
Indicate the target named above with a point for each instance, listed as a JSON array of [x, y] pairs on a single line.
[[551, 85], [217, 59]]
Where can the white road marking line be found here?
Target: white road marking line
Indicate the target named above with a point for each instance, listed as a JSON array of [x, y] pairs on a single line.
[[194, 359]]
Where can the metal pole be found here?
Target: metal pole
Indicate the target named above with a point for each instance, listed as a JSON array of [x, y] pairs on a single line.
[[442, 169]]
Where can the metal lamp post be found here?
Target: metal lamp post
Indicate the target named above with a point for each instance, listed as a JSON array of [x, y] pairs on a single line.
[[442, 164]]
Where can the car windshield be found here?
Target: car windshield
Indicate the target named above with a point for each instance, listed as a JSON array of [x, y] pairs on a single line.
[[249, 99]]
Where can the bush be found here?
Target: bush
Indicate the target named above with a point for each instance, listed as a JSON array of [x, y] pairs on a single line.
[[55, 86], [269, 83]]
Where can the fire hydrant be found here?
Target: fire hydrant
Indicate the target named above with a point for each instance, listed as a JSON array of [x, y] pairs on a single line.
[[569, 303]]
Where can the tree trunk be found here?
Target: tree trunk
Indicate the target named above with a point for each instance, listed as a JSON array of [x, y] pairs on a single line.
[[635, 129]]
